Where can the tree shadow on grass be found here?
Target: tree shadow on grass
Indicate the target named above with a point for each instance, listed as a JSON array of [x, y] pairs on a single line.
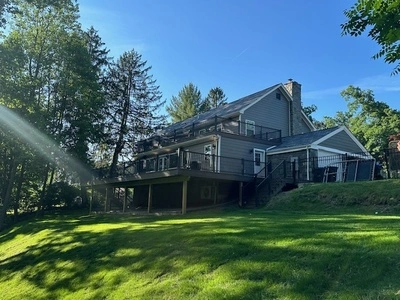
[[235, 256]]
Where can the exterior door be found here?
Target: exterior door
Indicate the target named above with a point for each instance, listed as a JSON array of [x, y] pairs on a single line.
[[259, 161]]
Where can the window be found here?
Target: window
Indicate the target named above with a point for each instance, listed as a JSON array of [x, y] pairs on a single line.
[[250, 127], [207, 151], [163, 163], [278, 96], [257, 157]]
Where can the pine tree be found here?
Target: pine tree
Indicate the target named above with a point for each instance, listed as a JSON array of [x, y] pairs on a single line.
[[215, 98], [134, 100], [187, 104]]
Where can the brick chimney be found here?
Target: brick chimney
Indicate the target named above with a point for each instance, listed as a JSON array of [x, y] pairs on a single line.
[[294, 89]]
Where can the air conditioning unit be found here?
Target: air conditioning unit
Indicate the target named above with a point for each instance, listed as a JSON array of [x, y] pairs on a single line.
[[206, 192]]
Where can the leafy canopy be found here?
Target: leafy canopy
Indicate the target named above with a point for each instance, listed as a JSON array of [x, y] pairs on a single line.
[[371, 121], [382, 20]]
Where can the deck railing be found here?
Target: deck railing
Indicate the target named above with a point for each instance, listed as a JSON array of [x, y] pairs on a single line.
[[213, 125], [315, 169]]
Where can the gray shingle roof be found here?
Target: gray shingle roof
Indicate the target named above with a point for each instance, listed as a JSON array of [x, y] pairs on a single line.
[[301, 140], [222, 111]]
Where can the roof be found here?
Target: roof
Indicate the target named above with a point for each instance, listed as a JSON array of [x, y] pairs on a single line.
[[302, 140], [223, 111]]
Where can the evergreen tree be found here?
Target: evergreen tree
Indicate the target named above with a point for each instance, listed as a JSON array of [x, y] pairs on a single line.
[[133, 103], [216, 97], [187, 104]]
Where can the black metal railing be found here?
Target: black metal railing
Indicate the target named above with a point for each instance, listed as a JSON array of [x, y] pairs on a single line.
[[185, 160], [314, 169], [212, 125]]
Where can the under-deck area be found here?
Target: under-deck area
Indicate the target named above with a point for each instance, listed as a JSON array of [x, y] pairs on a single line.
[[175, 193]]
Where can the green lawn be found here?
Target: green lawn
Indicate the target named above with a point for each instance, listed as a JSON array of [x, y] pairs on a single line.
[[233, 253]]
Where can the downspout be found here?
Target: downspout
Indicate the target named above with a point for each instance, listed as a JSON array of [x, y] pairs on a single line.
[[218, 153]]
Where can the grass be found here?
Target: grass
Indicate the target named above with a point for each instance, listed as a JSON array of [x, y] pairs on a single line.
[[313, 251]]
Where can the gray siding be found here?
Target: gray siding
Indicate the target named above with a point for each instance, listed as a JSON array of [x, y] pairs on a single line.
[[270, 112], [234, 150], [303, 128], [199, 148], [343, 142]]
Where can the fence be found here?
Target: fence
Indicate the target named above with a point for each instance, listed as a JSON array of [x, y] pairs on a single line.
[[314, 169], [341, 167], [215, 124]]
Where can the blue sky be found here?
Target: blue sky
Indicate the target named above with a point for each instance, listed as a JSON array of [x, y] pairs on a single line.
[[244, 46]]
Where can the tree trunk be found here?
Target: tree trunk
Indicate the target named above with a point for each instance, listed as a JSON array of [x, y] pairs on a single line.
[[42, 193], [7, 198], [19, 189]]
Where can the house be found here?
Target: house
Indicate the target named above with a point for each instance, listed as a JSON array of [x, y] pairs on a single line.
[[259, 141]]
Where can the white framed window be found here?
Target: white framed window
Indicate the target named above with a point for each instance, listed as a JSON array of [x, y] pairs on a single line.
[[207, 151], [163, 163], [250, 127]]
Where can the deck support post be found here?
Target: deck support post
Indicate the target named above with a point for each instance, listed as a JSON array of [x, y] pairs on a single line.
[[240, 193], [184, 196], [150, 198], [216, 184], [106, 201], [125, 199], [91, 198]]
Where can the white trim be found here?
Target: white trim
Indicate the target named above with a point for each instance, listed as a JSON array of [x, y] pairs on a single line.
[[292, 149], [240, 124], [307, 120], [262, 160], [368, 156], [165, 165], [348, 132], [328, 149], [269, 148], [250, 123], [328, 136], [218, 153]]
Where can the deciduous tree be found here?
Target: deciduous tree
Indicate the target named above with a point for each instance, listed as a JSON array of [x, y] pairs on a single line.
[[381, 18], [371, 121]]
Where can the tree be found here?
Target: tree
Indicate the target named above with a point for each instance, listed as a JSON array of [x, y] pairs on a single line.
[[371, 121], [6, 6], [216, 97], [187, 104], [50, 78], [133, 103], [382, 20]]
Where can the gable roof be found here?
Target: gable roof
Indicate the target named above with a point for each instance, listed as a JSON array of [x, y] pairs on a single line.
[[302, 140], [314, 138], [224, 111]]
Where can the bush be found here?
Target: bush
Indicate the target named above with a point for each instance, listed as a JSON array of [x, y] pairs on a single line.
[[61, 194]]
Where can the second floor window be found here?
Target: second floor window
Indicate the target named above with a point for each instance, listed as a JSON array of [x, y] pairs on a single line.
[[250, 127]]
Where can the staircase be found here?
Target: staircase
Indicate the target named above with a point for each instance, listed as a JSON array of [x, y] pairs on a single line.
[[258, 191]]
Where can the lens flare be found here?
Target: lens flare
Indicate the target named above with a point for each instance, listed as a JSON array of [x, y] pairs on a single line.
[[21, 129]]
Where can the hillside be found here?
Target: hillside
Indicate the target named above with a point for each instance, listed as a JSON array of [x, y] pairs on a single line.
[[370, 196], [318, 242]]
